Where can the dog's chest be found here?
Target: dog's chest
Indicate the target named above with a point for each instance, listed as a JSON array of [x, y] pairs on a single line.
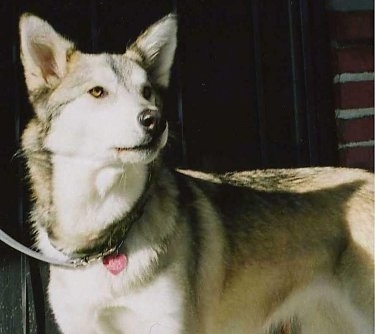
[[118, 304]]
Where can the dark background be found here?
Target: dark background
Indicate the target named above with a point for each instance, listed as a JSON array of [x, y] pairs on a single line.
[[251, 88]]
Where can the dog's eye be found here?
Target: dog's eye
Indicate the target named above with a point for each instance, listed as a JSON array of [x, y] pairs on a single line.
[[97, 92], [146, 92]]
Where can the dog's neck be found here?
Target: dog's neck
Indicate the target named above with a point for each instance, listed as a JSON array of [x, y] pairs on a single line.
[[88, 197]]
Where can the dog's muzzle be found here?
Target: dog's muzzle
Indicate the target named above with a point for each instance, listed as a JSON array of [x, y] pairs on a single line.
[[154, 133]]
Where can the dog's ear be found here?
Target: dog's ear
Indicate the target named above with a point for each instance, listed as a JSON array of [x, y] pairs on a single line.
[[155, 49], [44, 52]]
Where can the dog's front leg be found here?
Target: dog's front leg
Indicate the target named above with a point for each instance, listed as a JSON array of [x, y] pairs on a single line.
[[125, 321], [159, 307], [76, 318]]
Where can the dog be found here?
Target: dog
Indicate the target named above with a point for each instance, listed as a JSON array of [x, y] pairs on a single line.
[[178, 251]]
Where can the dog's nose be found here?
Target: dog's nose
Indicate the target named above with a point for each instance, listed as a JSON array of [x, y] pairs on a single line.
[[149, 119]]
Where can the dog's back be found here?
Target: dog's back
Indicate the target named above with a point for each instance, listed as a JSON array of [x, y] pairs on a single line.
[[298, 244]]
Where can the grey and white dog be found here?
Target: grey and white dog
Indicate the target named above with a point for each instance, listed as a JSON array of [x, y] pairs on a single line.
[[178, 251]]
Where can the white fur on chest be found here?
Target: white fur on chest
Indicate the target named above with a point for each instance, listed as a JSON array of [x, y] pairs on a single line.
[[105, 303], [156, 308], [88, 196]]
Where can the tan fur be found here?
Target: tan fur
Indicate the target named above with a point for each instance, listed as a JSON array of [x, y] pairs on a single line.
[[326, 236]]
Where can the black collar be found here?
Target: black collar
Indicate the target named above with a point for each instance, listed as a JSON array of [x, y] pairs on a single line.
[[108, 242]]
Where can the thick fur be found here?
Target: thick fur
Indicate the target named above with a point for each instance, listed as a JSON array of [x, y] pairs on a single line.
[[235, 253]]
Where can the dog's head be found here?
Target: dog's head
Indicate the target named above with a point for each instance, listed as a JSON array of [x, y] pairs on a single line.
[[104, 107]]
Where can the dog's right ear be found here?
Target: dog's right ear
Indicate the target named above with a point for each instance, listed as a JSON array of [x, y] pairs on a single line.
[[44, 52]]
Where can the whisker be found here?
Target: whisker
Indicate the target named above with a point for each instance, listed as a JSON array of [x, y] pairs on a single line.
[[18, 154]]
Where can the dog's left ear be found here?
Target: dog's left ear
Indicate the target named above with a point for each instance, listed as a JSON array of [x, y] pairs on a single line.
[[155, 49]]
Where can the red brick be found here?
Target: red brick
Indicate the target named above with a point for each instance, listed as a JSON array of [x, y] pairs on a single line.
[[358, 157], [353, 60], [350, 95], [351, 26], [354, 130]]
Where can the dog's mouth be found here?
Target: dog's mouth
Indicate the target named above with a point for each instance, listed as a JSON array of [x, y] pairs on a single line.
[[150, 145], [147, 146]]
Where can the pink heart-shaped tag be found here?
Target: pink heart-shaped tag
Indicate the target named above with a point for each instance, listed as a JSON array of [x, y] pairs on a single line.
[[115, 263]]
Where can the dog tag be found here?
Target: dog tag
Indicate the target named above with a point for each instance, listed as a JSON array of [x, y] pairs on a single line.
[[115, 263]]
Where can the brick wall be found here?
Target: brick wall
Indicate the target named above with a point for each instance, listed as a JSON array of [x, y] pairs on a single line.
[[351, 33]]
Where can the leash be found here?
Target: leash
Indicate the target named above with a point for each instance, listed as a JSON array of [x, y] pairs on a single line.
[[71, 263], [8, 240]]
